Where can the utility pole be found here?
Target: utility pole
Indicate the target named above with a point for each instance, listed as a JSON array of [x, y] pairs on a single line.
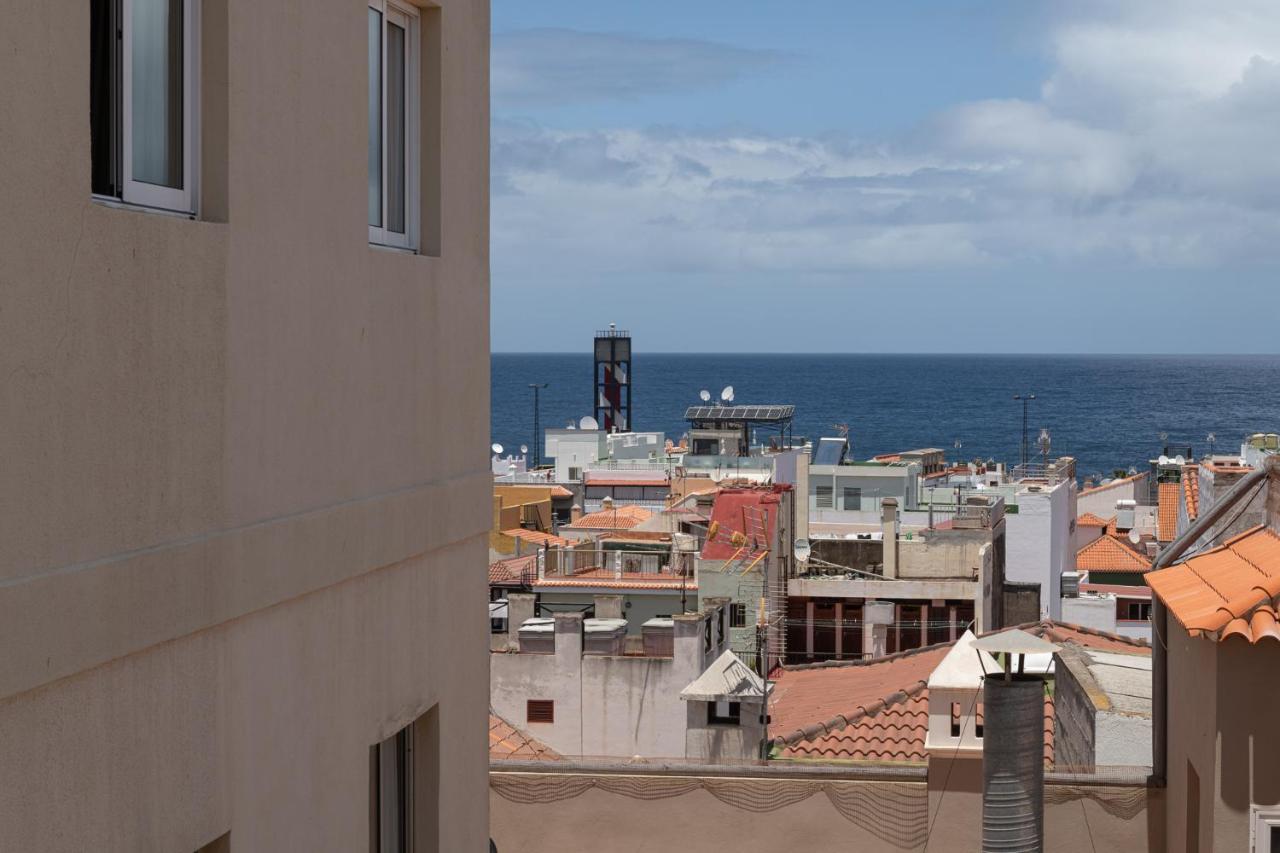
[[537, 428], [1026, 401]]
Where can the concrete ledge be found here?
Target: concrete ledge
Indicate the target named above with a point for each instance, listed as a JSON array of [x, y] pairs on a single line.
[[123, 604], [757, 770]]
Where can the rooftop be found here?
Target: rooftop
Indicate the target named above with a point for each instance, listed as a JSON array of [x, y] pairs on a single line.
[[1109, 553], [731, 514], [1191, 491], [506, 741], [1113, 681], [1114, 484], [597, 578], [537, 537], [1167, 512], [877, 711], [620, 517], [513, 570], [1227, 592], [1091, 520]]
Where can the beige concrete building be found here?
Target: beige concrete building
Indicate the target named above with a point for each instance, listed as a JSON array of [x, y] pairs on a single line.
[[244, 484]]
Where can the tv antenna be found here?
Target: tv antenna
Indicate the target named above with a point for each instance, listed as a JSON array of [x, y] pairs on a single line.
[[1212, 439], [843, 429], [1044, 442]]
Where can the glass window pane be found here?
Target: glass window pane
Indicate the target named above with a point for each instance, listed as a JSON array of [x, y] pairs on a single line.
[[375, 117], [395, 127], [157, 92]]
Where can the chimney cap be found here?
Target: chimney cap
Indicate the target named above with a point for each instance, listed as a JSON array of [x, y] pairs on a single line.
[[1015, 642]]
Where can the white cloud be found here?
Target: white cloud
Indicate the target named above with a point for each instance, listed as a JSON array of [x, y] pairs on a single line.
[[1153, 144]]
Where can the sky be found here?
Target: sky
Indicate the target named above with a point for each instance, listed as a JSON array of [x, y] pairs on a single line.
[[906, 176]]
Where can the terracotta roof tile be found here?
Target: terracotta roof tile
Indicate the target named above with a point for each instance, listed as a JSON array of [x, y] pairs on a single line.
[[560, 492], [537, 537], [618, 518], [1109, 554], [1191, 490], [506, 741], [1231, 591], [513, 569], [1167, 511], [1091, 520]]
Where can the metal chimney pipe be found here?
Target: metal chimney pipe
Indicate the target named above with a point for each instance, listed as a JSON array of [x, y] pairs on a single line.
[[1013, 764]]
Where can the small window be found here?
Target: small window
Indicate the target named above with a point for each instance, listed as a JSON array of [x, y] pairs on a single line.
[[724, 713], [393, 793], [852, 498], [393, 124], [575, 474], [738, 615], [540, 711], [824, 497], [1265, 830], [142, 96]]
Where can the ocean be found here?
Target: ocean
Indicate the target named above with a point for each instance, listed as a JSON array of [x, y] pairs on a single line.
[[1106, 411]]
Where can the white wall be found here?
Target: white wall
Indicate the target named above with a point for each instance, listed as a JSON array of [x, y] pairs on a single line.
[[1039, 547]]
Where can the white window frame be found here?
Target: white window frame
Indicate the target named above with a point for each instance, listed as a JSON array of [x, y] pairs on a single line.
[[139, 192], [406, 16], [1261, 821]]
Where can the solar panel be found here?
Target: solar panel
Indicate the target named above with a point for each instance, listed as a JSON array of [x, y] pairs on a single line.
[[830, 451], [739, 413]]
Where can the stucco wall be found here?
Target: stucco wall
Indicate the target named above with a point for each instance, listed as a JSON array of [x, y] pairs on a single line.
[[245, 476], [1192, 726], [1039, 543]]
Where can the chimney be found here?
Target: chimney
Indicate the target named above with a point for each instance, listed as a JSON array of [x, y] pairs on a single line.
[[519, 609], [689, 639], [889, 524], [568, 637], [575, 513], [608, 607]]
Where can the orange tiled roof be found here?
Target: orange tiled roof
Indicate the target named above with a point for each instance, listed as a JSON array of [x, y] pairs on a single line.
[[1191, 490], [1108, 553], [506, 741], [608, 579], [1091, 520], [512, 569], [877, 710], [1167, 512], [537, 537], [1230, 591], [560, 492], [618, 518]]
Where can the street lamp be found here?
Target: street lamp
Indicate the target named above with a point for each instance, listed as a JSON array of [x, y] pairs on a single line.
[[1026, 401], [537, 445]]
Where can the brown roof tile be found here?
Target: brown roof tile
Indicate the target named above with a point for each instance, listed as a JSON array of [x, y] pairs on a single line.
[[1167, 512], [1109, 554], [513, 569], [537, 537], [1091, 520], [506, 741], [1231, 591], [1191, 490], [618, 518]]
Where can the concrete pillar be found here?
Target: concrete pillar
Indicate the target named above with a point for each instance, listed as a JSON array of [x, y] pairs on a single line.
[[839, 629], [568, 637], [808, 628], [924, 625], [876, 618], [889, 526], [688, 638], [520, 607]]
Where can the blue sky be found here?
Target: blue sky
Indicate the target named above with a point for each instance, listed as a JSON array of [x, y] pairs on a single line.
[[897, 177]]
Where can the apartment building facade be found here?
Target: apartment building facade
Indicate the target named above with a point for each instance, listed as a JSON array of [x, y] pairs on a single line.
[[244, 265]]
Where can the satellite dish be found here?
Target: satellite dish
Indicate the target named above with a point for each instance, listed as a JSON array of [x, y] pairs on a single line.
[[802, 550], [1135, 537], [524, 448], [496, 448], [1178, 460], [588, 422], [705, 395], [727, 394], [1163, 460]]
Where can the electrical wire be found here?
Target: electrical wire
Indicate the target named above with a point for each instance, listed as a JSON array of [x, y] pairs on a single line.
[[1244, 505]]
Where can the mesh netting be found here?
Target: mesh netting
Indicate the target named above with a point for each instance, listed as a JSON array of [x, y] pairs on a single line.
[[1124, 803], [894, 812]]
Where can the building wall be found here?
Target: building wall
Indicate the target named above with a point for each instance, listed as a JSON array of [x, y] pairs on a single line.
[[1247, 739], [761, 811], [1039, 543], [1192, 733], [245, 479], [1101, 501]]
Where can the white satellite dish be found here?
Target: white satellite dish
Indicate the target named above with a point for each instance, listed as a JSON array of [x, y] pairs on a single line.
[[1135, 537], [524, 448], [727, 394], [588, 422], [705, 395], [1179, 460], [1163, 460], [496, 448]]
